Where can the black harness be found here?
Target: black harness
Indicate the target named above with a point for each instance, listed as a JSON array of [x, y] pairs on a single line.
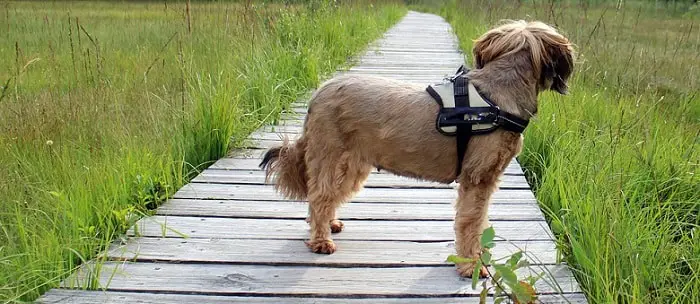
[[464, 120]]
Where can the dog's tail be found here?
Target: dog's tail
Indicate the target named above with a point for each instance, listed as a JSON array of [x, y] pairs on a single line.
[[287, 164]]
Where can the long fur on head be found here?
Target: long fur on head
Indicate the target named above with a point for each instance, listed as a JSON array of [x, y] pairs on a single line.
[[551, 53], [287, 164]]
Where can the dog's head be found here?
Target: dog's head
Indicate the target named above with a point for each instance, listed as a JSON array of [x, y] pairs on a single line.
[[551, 54]]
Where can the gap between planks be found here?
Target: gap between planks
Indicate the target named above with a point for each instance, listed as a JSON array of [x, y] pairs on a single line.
[[90, 297]]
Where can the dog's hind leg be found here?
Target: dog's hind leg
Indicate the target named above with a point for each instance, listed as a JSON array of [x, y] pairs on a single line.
[[332, 181], [336, 225], [358, 179], [322, 210]]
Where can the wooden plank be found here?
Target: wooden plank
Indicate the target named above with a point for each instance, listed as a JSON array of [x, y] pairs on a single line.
[[257, 177], [111, 297], [250, 159], [359, 230], [293, 122], [282, 129], [407, 69], [354, 211], [435, 75], [294, 252], [275, 136], [456, 59], [374, 62], [415, 56], [434, 51], [367, 195], [217, 279]]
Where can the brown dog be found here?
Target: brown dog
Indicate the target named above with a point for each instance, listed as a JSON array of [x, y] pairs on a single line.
[[356, 123]]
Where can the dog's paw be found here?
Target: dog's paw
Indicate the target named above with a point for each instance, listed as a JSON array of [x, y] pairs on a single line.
[[337, 226], [466, 270], [321, 246]]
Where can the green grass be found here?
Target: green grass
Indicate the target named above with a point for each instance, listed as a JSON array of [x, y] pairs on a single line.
[[108, 108], [615, 163]]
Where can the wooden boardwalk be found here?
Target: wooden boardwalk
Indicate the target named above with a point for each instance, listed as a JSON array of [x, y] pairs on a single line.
[[228, 237]]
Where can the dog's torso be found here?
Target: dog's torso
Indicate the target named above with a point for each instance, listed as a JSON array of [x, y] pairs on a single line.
[[392, 126]]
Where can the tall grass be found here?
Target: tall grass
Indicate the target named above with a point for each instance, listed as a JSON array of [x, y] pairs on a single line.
[[615, 163], [107, 109]]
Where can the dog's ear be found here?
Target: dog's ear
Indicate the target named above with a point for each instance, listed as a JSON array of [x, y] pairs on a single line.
[[557, 57], [551, 54], [560, 67]]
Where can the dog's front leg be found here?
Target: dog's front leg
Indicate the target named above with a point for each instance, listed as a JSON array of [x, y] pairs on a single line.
[[470, 221]]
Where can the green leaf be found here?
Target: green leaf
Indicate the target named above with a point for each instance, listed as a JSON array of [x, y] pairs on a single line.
[[458, 259], [496, 276], [521, 264], [499, 300], [487, 237], [517, 290], [482, 295], [524, 292], [532, 280], [508, 274], [486, 258], [475, 274], [513, 261]]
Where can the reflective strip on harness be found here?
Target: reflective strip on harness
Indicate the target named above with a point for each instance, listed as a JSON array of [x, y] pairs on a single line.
[[445, 97]]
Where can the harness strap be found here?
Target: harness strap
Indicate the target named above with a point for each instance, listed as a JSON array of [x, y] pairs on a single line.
[[464, 131], [464, 112]]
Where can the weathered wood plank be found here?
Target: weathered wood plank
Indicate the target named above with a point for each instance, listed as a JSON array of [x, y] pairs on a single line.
[[399, 64], [239, 228], [289, 280], [250, 159], [409, 69], [257, 177], [293, 252], [112, 297], [282, 129], [370, 195], [353, 211], [434, 51]]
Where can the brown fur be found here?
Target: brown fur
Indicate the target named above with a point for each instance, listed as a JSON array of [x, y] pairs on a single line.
[[359, 122]]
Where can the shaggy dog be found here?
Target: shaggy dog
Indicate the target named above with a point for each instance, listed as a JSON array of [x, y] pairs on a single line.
[[355, 123]]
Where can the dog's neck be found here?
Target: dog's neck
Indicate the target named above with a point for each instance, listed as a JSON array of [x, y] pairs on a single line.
[[510, 83]]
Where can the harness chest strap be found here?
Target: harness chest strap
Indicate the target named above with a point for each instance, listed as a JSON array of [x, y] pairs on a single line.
[[464, 112]]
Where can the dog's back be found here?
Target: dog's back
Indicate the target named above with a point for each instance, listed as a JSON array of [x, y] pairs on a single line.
[[385, 122]]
